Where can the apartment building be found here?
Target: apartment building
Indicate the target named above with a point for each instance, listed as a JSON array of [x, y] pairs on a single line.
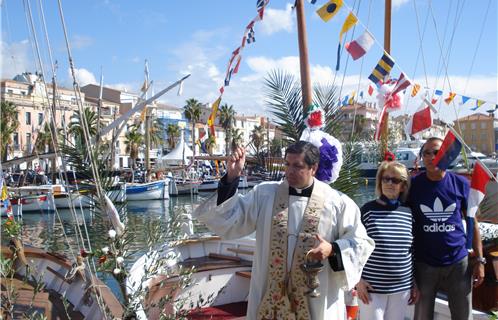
[[480, 132]]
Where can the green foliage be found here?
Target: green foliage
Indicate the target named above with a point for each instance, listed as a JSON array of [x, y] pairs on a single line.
[[226, 115], [173, 133], [8, 125], [283, 96], [11, 227]]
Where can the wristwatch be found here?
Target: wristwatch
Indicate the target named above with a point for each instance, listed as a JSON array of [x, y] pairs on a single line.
[[481, 260]]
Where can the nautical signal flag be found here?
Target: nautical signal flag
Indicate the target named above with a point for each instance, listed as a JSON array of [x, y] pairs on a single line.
[[479, 103], [329, 10], [448, 152], [370, 90], [465, 99], [402, 83], [357, 48], [350, 21], [382, 68], [415, 89], [480, 178], [450, 98], [212, 116], [420, 121]]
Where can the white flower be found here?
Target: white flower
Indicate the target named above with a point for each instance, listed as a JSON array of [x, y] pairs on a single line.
[[117, 271], [105, 250], [119, 260], [112, 234]]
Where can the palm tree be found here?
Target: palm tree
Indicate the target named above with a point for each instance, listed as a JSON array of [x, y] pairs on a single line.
[[237, 138], [8, 126], [44, 139], [192, 111], [285, 102], [76, 126], [173, 132], [227, 117], [210, 145], [134, 139], [156, 132], [258, 140]]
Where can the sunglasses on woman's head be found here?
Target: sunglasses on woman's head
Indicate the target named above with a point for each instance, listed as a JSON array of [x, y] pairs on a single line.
[[391, 180]]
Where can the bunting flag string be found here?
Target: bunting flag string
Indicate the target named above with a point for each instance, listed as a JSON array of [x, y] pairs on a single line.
[[235, 60], [350, 21]]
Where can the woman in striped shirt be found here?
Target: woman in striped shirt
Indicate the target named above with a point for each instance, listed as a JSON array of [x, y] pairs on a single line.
[[386, 286]]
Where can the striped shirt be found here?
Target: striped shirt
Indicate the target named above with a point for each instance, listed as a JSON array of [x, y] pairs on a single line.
[[390, 267]]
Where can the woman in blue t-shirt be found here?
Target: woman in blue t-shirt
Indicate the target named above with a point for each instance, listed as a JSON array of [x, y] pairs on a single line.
[[387, 287]]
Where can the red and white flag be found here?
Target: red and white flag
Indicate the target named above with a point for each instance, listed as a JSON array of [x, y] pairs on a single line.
[[480, 179], [420, 121], [370, 90], [357, 48], [402, 83]]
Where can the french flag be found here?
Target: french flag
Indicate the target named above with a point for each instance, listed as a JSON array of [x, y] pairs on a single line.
[[420, 121], [357, 48], [449, 151], [480, 179]]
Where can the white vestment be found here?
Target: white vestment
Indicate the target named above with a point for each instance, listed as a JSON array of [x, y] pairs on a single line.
[[340, 222]]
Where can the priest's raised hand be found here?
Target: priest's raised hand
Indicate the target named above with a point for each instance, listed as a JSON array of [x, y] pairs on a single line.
[[236, 164]]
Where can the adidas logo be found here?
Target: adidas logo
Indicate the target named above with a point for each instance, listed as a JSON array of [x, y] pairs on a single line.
[[438, 213]]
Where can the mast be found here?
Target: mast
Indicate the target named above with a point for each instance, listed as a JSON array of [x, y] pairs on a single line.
[[303, 57], [387, 48]]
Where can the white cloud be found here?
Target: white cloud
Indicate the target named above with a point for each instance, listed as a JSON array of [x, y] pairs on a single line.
[[80, 41], [127, 87], [16, 59], [83, 76], [398, 3], [276, 20]]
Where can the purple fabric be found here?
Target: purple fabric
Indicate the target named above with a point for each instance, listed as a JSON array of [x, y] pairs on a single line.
[[328, 156]]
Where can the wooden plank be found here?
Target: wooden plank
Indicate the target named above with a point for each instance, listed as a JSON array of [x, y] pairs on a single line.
[[223, 257], [241, 251], [244, 274]]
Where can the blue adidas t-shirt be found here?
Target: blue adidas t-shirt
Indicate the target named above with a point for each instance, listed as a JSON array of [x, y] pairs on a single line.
[[439, 235]]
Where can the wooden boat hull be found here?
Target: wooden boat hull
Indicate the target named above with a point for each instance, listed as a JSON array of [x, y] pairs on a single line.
[[52, 271]]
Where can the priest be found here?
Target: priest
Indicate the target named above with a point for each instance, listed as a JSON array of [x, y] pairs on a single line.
[[298, 220]]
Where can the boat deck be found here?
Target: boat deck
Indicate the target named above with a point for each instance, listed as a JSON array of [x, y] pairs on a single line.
[[46, 303]]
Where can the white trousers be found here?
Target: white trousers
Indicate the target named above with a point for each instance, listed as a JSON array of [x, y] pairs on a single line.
[[385, 306]]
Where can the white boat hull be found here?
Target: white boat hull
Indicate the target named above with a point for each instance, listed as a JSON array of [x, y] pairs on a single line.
[[147, 191]]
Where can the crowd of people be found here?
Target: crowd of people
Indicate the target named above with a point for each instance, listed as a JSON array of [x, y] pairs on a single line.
[[399, 249]]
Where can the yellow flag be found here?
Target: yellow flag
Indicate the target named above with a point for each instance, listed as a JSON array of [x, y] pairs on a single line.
[[415, 89], [142, 115], [329, 10], [4, 193], [351, 20], [351, 99], [450, 98], [212, 116]]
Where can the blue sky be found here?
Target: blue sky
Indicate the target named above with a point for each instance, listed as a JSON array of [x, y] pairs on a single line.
[[197, 37]]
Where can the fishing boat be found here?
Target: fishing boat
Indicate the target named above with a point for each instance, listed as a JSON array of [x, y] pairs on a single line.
[[48, 285], [155, 190], [221, 278], [180, 186], [208, 184]]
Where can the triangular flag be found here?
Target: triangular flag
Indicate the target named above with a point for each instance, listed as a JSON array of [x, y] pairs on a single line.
[[212, 116], [345, 101], [329, 10], [433, 101], [415, 89], [479, 103], [450, 98], [357, 48], [350, 21], [438, 92], [351, 99], [465, 99]]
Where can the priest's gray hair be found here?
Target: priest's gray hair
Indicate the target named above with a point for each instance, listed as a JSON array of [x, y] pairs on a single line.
[[311, 152]]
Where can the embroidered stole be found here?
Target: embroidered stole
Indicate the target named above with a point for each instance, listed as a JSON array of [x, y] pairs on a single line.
[[285, 293]]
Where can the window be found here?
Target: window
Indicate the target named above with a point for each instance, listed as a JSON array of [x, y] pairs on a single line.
[[483, 125], [23, 93], [28, 118], [40, 119], [10, 91], [16, 141], [462, 125], [28, 141], [473, 126], [484, 136]]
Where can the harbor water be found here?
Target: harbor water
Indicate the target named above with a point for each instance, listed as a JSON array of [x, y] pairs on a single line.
[[55, 232]]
